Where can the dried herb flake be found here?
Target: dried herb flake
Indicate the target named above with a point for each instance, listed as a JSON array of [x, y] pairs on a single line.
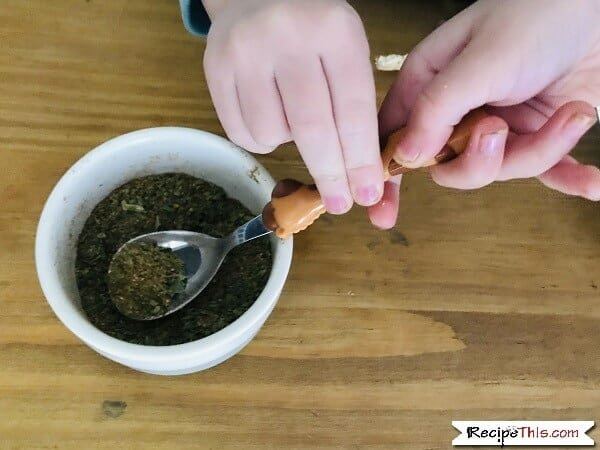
[[202, 207], [143, 279]]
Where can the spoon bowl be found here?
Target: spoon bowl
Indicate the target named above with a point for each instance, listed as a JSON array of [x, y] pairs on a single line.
[[201, 254]]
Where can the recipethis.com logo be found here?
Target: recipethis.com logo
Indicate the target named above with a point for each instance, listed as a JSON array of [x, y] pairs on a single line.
[[504, 433]]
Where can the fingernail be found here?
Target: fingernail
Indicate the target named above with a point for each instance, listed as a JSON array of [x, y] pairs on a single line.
[[579, 123], [385, 213], [406, 154], [491, 144], [367, 195], [335, 204]]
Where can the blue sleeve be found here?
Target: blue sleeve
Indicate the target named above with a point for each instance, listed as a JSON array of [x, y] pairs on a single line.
[[194, 16]]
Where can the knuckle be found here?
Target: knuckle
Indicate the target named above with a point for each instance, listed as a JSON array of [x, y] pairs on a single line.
[[310, 129], [429, 100], [358, 116], [342, 15], [268, 136], [238, 43], [280, 15], [280, 21], [248, 144], [241, 40], [357, 106], [348, 28], [350, 131], [437, 105], [327, 176], [332, 174]]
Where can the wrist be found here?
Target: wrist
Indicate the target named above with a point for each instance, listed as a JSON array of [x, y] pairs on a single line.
[[214, 7]]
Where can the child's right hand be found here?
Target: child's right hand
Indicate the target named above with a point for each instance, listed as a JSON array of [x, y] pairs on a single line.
[[281, 70]]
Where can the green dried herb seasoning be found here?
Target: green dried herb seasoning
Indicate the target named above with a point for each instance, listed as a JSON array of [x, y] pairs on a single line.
[[143, 279], [160, 203]]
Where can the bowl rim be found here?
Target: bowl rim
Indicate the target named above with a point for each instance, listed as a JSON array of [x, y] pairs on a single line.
[[206, 347]]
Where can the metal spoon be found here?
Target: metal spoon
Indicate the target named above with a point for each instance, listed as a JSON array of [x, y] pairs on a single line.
[[201, 254]]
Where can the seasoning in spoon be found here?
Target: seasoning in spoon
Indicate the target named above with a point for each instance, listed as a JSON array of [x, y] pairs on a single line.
[[143, 279]]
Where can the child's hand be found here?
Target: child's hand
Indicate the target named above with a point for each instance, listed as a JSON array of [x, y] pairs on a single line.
[[281, 70], [524, 58]]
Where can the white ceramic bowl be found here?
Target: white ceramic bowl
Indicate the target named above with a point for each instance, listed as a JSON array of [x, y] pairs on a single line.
[[152, 151]]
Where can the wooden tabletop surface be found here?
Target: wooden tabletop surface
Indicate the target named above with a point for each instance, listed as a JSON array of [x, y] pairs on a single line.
[[479, 305]]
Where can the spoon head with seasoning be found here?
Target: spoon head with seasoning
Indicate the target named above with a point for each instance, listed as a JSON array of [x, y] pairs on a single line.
[[156, 274]]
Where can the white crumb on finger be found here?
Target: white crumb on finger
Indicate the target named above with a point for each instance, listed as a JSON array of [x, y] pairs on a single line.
[[389, 62]]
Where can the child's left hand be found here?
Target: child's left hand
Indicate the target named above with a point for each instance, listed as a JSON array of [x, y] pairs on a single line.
[[525, 60]]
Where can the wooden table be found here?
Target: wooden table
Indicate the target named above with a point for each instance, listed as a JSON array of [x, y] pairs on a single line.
[[479, 305]]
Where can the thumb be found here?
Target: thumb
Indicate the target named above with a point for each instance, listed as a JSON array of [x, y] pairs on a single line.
[[423, 63], [476, 76]]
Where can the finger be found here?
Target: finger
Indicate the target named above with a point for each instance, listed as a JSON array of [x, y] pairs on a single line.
[[480, 163], [427, 59], [385, 213], [352, 87], [223, 91], [572, 178], [530, 155], [308, 108], [522, 118], [261, 106], [465, 84]]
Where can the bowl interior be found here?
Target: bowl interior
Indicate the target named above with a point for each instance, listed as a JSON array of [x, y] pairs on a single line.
[[145, 152]]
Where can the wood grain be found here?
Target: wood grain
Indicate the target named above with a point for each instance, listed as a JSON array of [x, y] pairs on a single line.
[[380, 339]]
